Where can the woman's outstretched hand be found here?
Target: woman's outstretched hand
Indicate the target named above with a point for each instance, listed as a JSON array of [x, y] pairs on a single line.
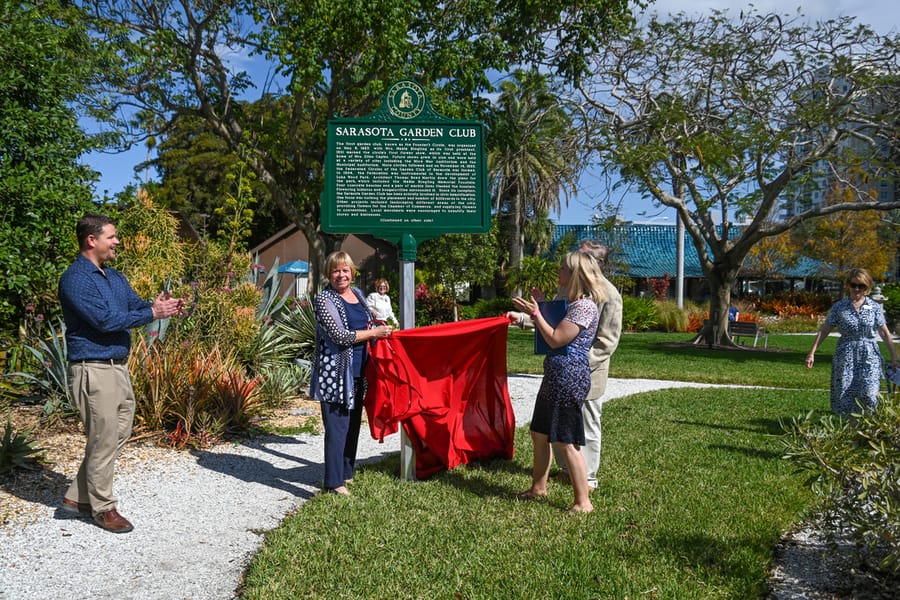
[[528, 307]]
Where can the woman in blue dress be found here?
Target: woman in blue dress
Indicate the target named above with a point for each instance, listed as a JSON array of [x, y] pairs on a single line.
[[857, 365], [557, 417]]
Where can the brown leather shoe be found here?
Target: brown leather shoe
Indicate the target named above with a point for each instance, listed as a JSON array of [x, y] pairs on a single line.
[[111, 520], [76, 507]]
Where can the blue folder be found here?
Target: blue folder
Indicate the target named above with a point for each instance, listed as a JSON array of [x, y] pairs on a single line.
[[553, 312]]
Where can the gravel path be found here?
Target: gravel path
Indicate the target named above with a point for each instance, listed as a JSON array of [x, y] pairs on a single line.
[[199, 517]]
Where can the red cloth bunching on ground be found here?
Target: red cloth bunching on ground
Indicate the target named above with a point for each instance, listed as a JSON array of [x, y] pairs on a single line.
[[446, 384]]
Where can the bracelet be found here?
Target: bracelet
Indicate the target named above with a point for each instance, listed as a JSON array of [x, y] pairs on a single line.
[[522, 321], [535, 315]]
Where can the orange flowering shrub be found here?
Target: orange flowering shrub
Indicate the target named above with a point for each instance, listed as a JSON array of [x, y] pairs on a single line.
[[796, 304], [695, 323]]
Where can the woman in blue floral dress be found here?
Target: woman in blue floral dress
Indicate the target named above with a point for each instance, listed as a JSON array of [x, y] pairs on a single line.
[[857, 365], [557, 417]]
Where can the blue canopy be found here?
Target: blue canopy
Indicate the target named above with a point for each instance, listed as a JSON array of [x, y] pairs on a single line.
[[295, 267]]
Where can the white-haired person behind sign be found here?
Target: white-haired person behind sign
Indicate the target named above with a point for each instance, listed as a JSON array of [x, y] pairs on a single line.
[[380, 303]]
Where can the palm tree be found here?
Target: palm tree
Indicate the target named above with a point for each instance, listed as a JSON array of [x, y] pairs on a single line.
[[534, 157]]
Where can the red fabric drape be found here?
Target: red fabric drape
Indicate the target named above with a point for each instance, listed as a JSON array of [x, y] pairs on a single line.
[[446, 384]]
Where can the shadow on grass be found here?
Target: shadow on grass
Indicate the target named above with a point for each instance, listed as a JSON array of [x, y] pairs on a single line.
[[763, 426], [703, 553], [477, 478], [746, 451], [480, 478], [771, 427], [737, 354]]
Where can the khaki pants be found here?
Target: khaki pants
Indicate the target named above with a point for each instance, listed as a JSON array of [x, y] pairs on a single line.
[[592, 413], [104, 397]]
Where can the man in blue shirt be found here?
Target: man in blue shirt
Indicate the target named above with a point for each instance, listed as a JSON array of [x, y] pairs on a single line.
[[99, 308]]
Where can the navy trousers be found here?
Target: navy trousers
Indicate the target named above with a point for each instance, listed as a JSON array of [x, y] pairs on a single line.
[[341, 438]]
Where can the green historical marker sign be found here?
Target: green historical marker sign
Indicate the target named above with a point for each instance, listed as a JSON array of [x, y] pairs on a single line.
[[405, 173]]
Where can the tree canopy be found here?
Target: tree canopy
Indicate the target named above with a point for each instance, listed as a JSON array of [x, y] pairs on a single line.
[[194, 166], [326, 58], [45, 58], [534, 158], [454, 260], [734, 120], [846, 240]]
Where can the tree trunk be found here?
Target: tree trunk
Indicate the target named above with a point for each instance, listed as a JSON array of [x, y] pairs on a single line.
[[320, 246], [516, 235], [715, 329]]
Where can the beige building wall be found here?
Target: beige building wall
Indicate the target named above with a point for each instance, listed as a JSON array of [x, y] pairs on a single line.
[[371, 254]]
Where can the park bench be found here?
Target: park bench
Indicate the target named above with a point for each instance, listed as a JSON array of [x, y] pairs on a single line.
[[739, 329]]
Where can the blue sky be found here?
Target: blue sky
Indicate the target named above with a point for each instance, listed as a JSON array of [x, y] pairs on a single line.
[[117, 170]]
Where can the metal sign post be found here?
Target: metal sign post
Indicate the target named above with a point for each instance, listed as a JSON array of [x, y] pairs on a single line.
[[407, 321]]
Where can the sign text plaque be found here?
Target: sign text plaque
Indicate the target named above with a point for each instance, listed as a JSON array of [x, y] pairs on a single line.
[[405, 170]]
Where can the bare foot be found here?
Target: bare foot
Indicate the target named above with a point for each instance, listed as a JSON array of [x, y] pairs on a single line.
[[579, 509], [530, 495], [340, 490]]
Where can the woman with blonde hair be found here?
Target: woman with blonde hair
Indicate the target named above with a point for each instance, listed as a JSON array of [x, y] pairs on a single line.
[[557, 417], [343, 326], [857, 364]]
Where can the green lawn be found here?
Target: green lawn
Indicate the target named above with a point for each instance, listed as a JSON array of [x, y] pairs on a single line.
[[693, 497], [665, 356]]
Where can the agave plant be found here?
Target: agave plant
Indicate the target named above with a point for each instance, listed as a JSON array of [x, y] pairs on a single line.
[[283, 381], [16, 451], [273, 347], [54, 379], [271, 303], [298, 324]]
